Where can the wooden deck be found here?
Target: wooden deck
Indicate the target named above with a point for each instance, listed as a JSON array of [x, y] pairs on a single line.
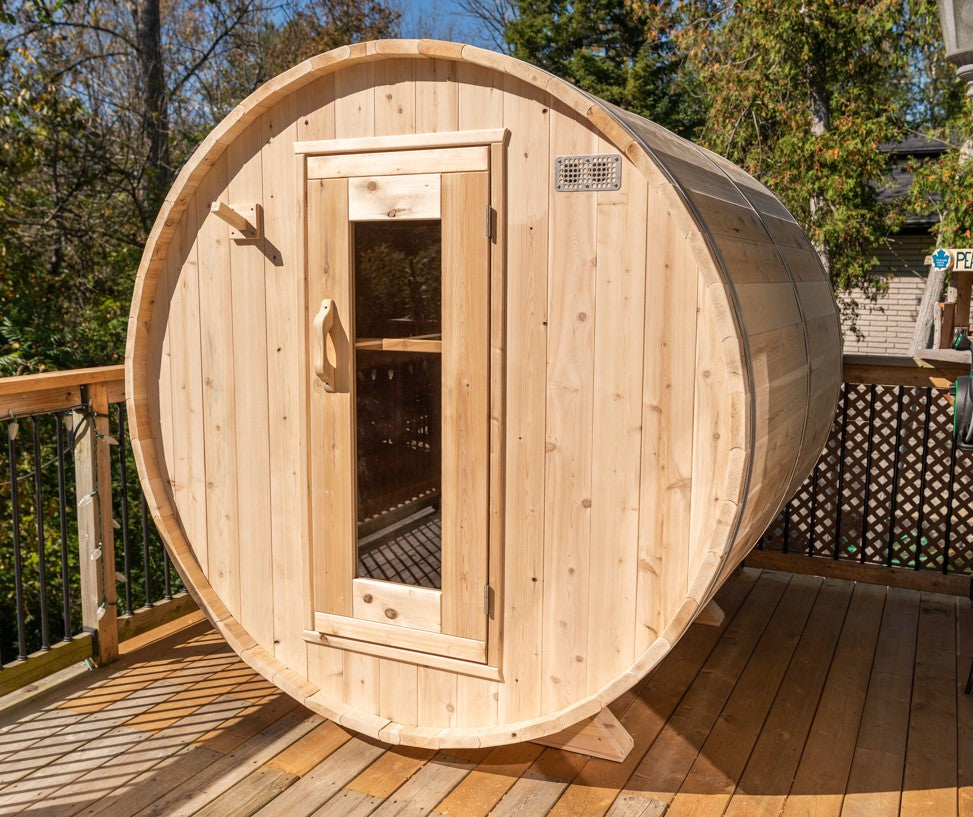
[[815, 697]]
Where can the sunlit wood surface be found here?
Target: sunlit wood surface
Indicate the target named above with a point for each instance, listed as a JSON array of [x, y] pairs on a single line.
[[815, 696]]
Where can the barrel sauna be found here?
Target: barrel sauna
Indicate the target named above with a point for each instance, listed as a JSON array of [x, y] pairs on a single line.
[[456, 392]]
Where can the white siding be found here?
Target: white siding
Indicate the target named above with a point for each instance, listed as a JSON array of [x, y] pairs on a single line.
[[885, 325]]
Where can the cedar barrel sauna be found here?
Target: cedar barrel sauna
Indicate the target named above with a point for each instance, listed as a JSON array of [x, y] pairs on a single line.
[[457, 392]]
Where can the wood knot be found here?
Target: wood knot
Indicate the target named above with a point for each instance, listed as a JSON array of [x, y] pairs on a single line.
[[372, 186], [367, 598], [390, 613]]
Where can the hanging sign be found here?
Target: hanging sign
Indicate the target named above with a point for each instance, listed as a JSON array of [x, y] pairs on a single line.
[[956, 260]]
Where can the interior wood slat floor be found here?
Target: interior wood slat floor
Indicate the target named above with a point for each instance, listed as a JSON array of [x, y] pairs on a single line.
[[815, 697]]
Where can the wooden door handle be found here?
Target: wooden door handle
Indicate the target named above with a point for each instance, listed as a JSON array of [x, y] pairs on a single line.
[[324, 323]]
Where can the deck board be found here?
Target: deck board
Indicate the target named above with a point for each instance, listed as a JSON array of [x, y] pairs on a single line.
[[929, 784], [813, 697], [964, 707], [875, 783], [762, 788]]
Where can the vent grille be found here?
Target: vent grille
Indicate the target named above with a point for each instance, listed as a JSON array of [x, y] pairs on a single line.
[[576, 174]]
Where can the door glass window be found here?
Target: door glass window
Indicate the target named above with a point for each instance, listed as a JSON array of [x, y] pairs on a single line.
[[398, 400]]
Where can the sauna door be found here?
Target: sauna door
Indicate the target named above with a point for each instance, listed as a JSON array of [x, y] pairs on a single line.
[[399, 289]]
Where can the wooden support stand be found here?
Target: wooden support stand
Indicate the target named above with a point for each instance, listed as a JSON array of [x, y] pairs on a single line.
[[96, 540], [711, 615], [601, 736]]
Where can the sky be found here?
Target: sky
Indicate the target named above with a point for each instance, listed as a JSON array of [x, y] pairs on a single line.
[[439, 19]]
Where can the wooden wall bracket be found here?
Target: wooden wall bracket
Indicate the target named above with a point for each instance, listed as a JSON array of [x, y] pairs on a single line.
[[601, 736], [245, 220]]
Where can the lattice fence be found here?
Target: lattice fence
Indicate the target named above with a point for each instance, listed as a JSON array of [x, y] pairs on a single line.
[[888, 488]]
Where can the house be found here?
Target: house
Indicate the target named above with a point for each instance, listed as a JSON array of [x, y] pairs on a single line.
[[885, 325]]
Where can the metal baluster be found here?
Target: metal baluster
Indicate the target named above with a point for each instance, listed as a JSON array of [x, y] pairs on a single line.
[[12, 430], [868, 469], [922, 479], [895, 475], [166, 578], [814, 509], [123, 476], [949, 507], [39, 526], [145, 555], [841, 470], [62, 509]]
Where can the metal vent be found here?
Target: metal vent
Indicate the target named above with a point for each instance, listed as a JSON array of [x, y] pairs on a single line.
[[575, 174]]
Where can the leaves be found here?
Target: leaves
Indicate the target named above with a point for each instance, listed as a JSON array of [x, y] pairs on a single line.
[[622, 52], [802, 94], [90, 141]]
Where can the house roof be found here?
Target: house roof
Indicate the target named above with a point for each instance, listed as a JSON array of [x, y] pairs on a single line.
[[902, 155]]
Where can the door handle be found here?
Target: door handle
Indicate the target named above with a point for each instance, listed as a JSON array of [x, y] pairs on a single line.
[[324, 323]]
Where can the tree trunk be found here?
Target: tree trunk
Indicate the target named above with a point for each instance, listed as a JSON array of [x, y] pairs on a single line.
[[820, 123], [155, 103], [923, 332]]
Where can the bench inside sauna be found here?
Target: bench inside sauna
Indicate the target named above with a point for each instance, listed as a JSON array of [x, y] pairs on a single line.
[[457, 392]]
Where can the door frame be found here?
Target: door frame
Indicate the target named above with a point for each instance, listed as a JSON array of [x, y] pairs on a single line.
[[361, 630]]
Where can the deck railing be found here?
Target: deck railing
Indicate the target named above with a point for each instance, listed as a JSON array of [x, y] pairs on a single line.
[[81, 565], [889, 489]]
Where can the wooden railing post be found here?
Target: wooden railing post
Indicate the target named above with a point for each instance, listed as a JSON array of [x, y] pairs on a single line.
[[96, 540]]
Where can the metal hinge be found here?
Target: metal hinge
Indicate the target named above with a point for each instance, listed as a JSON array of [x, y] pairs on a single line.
[[486, 600]]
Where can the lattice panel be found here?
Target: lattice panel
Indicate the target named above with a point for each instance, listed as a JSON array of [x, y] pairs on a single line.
[[854, 476], [880, 467], [797, 516], [932, 537], [806, 525], [960, 551], [908, 488], [888, 488], [826, 492]]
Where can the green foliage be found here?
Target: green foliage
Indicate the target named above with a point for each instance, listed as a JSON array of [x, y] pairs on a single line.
[[802, 94], [325, 24], [25, 469], [81, 170], [79, 191], [67, 249], [622, 52], [941, 110], [398, 274], [932, 95], [945, 188]]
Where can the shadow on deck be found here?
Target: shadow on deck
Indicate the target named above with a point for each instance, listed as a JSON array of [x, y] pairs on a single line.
[[815, 696]]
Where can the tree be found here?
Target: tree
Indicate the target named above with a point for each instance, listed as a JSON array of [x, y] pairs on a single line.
[[100, 103], [490, 19], [802, 94], [622, 52], [325, 24], [939, 109]]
